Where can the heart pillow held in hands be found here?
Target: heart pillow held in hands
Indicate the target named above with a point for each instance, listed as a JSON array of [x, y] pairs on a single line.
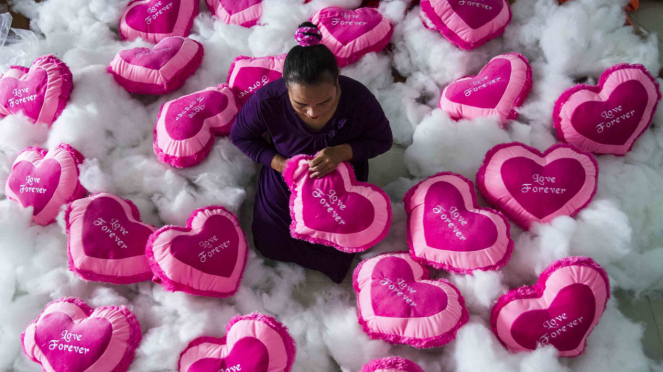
[[398, 303], [107, 240], [393, 364], [530, 187], [447, 229], [561, 310], [245, 13], [155, 20], [45, 180], [247, 75], [608, 118], [336, 210], [185, 130], [40, 92], [253, 343], [160, 70], [500, 87], [207, 258], [69, 336]]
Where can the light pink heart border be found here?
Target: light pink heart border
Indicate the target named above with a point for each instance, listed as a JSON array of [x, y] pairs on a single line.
[[250, 15], [567, 103], [182, 26], [119, 317], [446, 323], [391, 364], [270, 62], [561, 275]]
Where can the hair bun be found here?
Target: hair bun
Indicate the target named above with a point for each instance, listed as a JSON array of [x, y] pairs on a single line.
[[308, 34]]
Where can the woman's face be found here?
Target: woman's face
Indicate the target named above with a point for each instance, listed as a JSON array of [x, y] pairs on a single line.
[[314, 103]]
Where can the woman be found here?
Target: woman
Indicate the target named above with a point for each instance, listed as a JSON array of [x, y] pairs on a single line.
[[313, 111]]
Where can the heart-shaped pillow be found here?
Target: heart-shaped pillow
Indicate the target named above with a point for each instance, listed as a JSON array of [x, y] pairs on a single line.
[[533, 187], [69, 336], [253, 343], [500, 87], [561, 310], [40, 92], [399, 304], [45, 180], [350, 34], [107, 240], [447, 230], [393, 364], [207, 258], [184, 132], [245, 13], [467, 24], [155, 20], [336, 210], [247, 75], [160, 70], [608, 118]]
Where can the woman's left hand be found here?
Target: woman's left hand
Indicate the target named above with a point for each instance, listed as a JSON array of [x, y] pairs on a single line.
[[327, 160]]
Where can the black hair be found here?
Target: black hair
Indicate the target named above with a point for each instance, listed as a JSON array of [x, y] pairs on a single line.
[[310, 65]]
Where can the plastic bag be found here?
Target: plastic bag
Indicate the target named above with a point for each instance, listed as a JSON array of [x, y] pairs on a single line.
[[17, 47]]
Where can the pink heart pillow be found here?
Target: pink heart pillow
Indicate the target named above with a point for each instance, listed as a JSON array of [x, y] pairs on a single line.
[[245, 13], [500, 87], [207, 258], [393, 364], [107, 240], [45, 180], [155, 20], [533, 187], [69, 336], [350, 34], [40, 92], [247, 74], [467, 24], [608, 118], [561, 310], [398, 303], [253, 343], [447, 229], [184, 132], [160, 70], [336, 210]]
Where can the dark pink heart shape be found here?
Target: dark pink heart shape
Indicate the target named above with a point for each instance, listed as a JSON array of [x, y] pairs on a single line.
[[185, 117], [484, 90], [476, 13], [156, 57], [26, 94], [249, 354], [250, 79], [35, 186], [156, 16], [348, 25], [236, 6]]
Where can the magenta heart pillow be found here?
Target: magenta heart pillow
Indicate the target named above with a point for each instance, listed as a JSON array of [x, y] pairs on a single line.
[[247, 74], [336, 210], [69, 336], [245, 13], [207, 258], [398, 303], [447, 230], [40, 92], [500, 87], [45, 180], [350, 34], [561, 309], [608, 118], [530, 187], [393, 364], [155, 20], [253, 343], [467, 24], [160, 70], [185, 130], [107, 240]]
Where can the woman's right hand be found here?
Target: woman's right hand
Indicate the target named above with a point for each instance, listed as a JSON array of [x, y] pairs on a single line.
[[278, 163]]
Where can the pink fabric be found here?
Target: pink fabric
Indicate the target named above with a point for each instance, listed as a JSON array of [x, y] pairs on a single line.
[[40, 93], [185, 129], [155, 20], [560, 310], [350, 34], [254, 343], [69, 336], [336, 210], [533, 187], [308, 36], [447, 229], [467, 24], [107, 240], [207, 258], [247, 75], [45, 181], [245, 13], [608, 118], [398, 303], [393, 364], [158, 71]]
